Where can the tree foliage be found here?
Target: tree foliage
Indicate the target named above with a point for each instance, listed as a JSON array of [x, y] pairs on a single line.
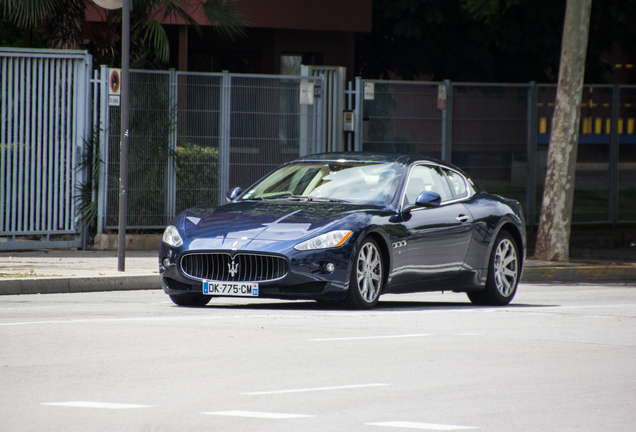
[[65, 22], [485, 40]]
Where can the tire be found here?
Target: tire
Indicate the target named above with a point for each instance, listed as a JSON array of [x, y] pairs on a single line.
[[504, 268], [190, 300], [367, 276]]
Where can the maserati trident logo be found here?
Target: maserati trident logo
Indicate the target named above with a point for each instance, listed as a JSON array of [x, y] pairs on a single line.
[[233, 268]]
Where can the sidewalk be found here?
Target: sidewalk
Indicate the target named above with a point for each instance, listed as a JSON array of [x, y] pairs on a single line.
[[54, 271]]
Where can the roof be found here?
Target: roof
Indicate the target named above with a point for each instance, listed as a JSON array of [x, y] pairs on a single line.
[[369, 157], [330, 15], [404, 159]]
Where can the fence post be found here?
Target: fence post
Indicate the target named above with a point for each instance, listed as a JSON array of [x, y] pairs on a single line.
[[321, 116], [447, 124], [357, 115], [224, 144], [96, 82], [104, 121], [307, 134], [170, 180], [613, 158], [84, 126], [531, 175], [348, 136]]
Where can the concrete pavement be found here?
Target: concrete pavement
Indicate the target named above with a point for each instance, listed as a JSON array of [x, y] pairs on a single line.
[[53, 271], [56, 271]]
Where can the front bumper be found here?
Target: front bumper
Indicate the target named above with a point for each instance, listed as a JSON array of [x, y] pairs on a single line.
[[306, 278]]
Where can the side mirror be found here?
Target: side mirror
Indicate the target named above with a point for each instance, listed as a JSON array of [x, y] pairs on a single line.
[[428, 199], [232, 194]]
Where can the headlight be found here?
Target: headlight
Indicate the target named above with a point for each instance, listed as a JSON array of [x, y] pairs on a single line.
[[324, 241], [171, 236]]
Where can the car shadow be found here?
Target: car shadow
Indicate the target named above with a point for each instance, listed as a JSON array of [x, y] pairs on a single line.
[[382, 306], [421, 305]]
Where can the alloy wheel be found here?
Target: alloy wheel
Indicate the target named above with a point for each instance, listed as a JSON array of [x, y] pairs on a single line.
[[506, 267], [369, 272]]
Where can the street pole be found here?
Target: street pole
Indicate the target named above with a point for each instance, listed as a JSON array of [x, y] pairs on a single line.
[[123, 160]]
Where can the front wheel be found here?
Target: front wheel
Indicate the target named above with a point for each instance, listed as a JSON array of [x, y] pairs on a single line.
[[367, 277], [190, 300], [504, 268]]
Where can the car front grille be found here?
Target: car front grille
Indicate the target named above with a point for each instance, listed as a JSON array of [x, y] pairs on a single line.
[[241, 268]]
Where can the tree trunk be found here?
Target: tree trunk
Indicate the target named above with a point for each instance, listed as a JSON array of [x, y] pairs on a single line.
[[553, 237]]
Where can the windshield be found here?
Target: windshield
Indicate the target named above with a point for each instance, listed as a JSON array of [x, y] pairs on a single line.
[[373, 183]]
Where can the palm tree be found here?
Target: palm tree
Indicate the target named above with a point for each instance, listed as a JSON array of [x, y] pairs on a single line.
[[65, 26], [65, 20]]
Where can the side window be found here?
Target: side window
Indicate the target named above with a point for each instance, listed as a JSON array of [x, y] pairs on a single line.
[[458, 183], [426, 178]]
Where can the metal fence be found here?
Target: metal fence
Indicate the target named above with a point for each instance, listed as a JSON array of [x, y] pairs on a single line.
[[333, 105], [195, 135], [499, 133], [44, 120]]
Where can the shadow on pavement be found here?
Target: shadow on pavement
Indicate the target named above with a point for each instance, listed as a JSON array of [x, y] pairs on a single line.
[[383, 306]]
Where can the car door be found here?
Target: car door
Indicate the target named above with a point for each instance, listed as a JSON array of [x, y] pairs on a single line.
[[438, 237]]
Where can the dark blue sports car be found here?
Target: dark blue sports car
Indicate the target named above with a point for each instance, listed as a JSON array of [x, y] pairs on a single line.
[[348, 227]]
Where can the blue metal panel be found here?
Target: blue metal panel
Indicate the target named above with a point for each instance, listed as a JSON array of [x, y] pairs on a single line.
[[43, 101]]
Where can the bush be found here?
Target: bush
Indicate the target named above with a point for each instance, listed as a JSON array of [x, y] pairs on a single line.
[[197, 176]]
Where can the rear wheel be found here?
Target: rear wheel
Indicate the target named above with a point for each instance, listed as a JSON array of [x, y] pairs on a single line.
[[367, 277], [191, 300], [503, 273]]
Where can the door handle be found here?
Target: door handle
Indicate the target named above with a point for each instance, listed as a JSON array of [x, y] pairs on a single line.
[[462, 218]]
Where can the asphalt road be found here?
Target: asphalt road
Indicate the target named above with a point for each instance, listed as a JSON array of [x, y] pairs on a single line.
[[559, 358]]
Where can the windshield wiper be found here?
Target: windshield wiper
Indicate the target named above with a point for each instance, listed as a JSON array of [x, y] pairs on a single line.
[[282, 197], [294, 197], [290, 197], [323, 199], [274, 198]]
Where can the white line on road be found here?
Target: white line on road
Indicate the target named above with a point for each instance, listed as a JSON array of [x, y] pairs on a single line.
[[344, 387], [372, 337], [102, 405], [256, 414], [423, 426], [146, 319], [242, 317], [158, 318]]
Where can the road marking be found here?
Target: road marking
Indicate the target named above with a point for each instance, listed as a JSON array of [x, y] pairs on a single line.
[[256, 414], [243, 316], [147, 319], [345, 387], [424, 426], [102, 405], [158, 318], [372, 337]]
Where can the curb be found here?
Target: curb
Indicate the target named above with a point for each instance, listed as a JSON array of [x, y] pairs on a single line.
[[77, 284], [56, 285], [588, 273]]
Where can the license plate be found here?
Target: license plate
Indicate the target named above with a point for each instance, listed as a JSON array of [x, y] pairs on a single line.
[[234, 289]]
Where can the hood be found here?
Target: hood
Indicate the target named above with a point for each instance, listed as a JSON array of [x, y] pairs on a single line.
[[263, 221]]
